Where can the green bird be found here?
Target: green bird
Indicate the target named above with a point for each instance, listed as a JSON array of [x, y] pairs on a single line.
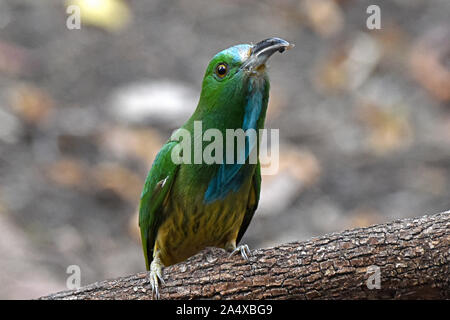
[[188, 206]]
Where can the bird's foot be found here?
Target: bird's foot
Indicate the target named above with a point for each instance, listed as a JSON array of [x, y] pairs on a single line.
[[243, 249], [155, 276]]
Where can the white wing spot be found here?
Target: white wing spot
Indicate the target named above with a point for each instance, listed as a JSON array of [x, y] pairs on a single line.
[[163, 182]]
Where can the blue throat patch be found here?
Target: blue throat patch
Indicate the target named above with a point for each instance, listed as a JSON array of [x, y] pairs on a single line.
[[230, 177]]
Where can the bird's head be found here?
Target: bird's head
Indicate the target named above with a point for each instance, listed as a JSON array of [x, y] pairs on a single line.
[[228, 72]]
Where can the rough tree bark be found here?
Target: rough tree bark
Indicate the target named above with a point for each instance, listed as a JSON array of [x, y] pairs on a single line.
[[412, 256]]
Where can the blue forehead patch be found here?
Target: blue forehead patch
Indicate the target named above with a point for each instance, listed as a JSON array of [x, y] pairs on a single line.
[[238, 53]]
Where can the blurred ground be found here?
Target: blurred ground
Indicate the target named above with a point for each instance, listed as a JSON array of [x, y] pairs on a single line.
[[364, 120]]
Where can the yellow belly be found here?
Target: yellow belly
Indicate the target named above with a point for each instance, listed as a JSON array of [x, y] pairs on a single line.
[[184, 233]]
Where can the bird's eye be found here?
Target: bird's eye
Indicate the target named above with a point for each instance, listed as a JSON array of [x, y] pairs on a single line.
[[221, 70]]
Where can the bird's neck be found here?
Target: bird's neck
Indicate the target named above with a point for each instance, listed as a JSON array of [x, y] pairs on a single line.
[[256, 105], [231, 177]]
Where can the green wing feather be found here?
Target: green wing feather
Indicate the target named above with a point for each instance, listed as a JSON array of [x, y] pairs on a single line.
[[156, 189], [253, 201]]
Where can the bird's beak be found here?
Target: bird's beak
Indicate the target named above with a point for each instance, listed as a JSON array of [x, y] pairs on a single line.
[[263, 50]]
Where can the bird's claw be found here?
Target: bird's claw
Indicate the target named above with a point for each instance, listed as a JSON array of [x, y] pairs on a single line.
[[155, 277], [244, 250]]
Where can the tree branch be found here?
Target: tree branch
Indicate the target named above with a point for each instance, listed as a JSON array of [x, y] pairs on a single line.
[[412, 256]]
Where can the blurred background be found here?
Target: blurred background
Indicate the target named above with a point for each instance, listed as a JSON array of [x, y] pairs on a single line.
[[364, 119]]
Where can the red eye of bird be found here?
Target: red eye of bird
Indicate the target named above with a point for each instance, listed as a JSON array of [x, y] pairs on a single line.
[[221, 70]]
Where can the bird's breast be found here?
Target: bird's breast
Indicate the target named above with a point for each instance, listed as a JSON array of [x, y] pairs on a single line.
[[191, 225]]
